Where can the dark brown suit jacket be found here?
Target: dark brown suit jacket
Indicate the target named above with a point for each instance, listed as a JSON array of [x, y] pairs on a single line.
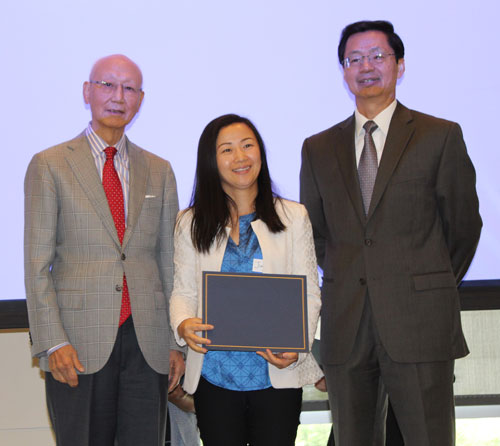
[[409, 252]]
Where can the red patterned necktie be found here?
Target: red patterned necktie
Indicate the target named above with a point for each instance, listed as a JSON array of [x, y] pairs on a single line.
[[114, 193]]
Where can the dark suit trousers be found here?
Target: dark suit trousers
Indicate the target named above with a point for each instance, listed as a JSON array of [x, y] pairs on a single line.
[[125, 400], [268, 417], [386, 429], [421, 394]]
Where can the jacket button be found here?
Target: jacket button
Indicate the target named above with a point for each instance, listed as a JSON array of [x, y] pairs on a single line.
[[118, 287], [124, 256], [362, 281], [368, 242]]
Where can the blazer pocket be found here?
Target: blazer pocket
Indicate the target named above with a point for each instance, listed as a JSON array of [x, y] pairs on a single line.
[[152, 202], [434, 280]]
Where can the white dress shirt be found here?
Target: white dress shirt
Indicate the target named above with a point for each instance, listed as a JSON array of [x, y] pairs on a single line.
[[383, 120]]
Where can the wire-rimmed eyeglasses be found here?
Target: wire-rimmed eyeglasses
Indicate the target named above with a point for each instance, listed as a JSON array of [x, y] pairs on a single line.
[[356, 60], [110, 87]]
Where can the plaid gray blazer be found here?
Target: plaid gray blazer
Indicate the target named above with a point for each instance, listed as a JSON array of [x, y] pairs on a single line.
[[74, 263]]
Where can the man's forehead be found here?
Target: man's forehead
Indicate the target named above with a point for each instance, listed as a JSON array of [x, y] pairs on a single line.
[[117, 67], [367, 41], [375, 49]]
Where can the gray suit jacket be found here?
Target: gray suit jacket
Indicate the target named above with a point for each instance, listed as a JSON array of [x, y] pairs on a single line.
[[74, 263], [409, 252]]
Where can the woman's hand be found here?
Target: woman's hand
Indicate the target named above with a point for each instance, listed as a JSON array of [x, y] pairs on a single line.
[[187, 330], [280, 360]]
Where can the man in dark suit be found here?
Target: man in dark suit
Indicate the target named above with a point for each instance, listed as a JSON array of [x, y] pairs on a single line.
[[99, 219], [392, 200]]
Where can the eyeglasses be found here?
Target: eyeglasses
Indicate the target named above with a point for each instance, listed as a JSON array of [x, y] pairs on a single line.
[[110, 87], [357, 60]]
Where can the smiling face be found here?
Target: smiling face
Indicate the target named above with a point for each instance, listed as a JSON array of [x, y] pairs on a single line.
[[238, 159], [373, 85], [113, 107]]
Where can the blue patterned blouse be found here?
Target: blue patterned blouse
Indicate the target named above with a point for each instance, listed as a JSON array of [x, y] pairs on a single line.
[[236, 370]]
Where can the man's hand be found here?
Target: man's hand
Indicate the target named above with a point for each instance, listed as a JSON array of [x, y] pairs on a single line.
[[62, 365], [321, 385], [177, 368]]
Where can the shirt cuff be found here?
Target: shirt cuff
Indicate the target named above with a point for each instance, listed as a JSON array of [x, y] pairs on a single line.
[[57, 347]]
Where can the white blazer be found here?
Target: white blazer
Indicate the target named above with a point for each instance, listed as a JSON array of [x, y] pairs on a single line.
[[288, 252]]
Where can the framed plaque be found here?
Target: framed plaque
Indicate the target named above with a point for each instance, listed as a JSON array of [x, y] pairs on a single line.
[[252, 311]]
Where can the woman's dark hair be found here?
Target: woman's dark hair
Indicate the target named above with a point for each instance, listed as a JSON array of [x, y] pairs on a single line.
[[210, 205], [384, 26]]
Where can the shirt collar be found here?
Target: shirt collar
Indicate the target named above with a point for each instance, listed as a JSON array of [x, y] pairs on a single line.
[[98, 144], [383, 119]]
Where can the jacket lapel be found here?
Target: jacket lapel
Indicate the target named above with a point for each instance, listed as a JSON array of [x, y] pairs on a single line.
[[400, 132], [81, 161], [346, 155], [139, 169]]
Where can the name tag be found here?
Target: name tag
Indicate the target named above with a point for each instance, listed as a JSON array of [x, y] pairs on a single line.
[[258, 265]]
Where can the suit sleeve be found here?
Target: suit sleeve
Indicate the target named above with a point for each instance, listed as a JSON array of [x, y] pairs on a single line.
[[166, 245], [40, 235], [458, 203], [310, 196]]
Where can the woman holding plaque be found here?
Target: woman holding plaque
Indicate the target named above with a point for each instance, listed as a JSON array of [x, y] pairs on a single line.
[[236, 224]]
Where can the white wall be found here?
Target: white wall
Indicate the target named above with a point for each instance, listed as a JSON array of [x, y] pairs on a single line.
[[272, 60]]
